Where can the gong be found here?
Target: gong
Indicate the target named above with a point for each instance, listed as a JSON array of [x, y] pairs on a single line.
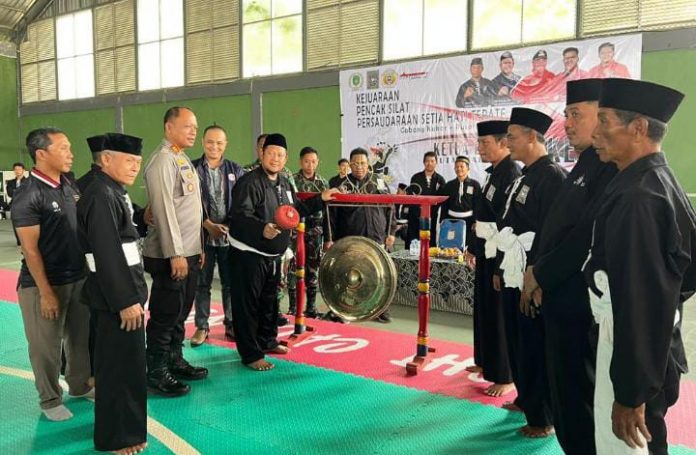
[[357, 278]]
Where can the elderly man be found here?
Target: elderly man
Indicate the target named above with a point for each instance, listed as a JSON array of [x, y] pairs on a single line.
[[640, 270], [563, 245], [257, 245], [44, 215], [528, 203], [172, 253], [116, 292]]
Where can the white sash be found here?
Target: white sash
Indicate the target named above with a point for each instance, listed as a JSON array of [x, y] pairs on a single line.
[[515, 249]]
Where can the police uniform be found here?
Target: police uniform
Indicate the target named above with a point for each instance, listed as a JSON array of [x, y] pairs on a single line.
[[109, 239], [494, 347], [528, 202], [175, 198], [314, 239], [640, 271], [256, 259], [568, 324]]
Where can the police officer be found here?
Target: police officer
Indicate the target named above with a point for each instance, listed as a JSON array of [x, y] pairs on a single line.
[[172, 252]]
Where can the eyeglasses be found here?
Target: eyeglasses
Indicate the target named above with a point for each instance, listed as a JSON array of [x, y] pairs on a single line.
[[359, 164]]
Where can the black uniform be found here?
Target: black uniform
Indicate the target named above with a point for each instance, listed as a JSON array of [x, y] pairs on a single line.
[[375, 223], [529, 200], [335, 181], [428, 188], [255, 260], [460, 202], [645, 240], [116, 281], [570, 346], [491, 342]]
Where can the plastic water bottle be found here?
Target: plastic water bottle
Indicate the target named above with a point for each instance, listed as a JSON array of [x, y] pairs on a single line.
[[414, 249]]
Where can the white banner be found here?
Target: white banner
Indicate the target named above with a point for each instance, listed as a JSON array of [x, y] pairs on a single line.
[[400, 111]]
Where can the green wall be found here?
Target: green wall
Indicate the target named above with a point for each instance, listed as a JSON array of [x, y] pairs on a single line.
[[77, 125], [307, 117], [676, 69], [233, 113], [10, 144]]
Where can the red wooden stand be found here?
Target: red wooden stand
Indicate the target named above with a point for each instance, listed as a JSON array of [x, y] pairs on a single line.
[[425, 202]]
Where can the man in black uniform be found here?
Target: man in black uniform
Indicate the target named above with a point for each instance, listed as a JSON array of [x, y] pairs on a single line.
[[425, 183], [492, 347], [476, 91], [375, 223], [528, 203], [563, 244], [256, 247], [117, 292], [641, 267], [343, 170], [463, 192]]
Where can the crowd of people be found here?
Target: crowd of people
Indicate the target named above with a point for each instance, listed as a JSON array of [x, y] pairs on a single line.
[[613, 243]]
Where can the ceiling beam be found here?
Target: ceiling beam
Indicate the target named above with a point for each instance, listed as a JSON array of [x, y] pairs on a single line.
[[11, 8]]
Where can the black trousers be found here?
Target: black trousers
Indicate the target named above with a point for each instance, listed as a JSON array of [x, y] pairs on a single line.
[[120, 406], [656, 410], [532, 358], [170, 305], [510, 302], [489, 326], [255, 280], [571, 355]]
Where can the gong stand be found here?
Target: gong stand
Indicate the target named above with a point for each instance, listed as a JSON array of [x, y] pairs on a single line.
[[425, 202]]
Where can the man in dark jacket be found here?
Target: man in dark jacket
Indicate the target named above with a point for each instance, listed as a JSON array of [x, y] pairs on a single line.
[[218, 177], [256, 247]]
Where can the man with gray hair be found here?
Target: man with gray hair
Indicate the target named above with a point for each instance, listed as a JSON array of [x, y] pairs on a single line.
[[53, 273]]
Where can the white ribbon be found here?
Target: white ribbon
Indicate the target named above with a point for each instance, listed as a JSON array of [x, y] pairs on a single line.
[[488, 231], [514, 248]]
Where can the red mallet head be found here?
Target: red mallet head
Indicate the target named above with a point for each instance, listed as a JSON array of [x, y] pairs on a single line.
[[286, 217]]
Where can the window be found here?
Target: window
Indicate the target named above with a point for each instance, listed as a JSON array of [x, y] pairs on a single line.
[[212, 40], [414, 28], [160, 44], [75, 55], [114, 37], [512, 22], [37, 55], [342, 32], [631, 15], [272, 37]]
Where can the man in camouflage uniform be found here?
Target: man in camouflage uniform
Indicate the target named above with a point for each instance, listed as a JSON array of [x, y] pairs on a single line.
[[307, 180]]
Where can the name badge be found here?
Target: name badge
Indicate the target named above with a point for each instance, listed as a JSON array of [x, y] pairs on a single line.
[[289, 193], [231, 177], [522, 195], [490, 193], [380, 185], [469, 190]]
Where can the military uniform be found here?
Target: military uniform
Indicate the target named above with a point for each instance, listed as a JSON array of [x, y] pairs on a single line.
[[314, 239], [175, 198]]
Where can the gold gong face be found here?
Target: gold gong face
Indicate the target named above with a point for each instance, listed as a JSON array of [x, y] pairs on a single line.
[[357, 279]]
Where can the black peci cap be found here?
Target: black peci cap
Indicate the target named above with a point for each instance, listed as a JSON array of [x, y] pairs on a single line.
[[647, 98], [538, 121]]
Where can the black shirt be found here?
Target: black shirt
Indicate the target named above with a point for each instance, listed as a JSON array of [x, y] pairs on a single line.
[[255, 199], [105, 226], [567, 233], [645, 241], [52, 206], [530, 198]]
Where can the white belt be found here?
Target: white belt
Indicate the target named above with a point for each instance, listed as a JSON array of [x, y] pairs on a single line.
[[515, 249], [488, 231], [244, 247], [460, 214], [130, 252]]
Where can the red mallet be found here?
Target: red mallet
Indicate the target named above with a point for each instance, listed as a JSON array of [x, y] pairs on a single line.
[[286, 217]]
